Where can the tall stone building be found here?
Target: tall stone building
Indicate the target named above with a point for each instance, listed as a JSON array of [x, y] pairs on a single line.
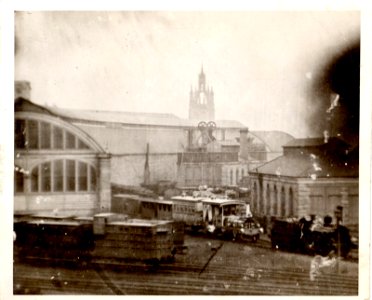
[[201, 106]]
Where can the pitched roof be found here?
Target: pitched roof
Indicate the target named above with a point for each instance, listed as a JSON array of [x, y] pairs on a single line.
[[314, 166], [306, 167]]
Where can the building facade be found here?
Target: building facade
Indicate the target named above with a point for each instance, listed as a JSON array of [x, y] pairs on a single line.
[[58, 167], [313, 177], [67, 159]]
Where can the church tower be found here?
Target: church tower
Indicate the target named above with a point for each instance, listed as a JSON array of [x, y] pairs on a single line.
[[201, 107]]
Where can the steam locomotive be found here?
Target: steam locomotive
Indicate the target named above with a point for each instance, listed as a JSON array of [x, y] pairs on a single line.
[[309, 236]]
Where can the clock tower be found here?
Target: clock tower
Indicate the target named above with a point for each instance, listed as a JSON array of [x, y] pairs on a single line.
[[201, 107]]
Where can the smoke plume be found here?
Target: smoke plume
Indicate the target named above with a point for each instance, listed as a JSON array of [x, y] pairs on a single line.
[[336, 101]]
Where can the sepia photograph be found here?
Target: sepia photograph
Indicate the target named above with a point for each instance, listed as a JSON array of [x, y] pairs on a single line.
[[182, 153]]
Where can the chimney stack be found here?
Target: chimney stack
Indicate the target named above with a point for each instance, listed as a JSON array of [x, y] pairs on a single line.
[[243, 151], [22, 89]]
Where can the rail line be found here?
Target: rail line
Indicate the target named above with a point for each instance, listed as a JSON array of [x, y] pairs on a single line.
[[181, 279]]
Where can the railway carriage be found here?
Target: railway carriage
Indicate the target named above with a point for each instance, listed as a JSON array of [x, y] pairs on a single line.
[[189, 210], [230, 217], [156, 209]]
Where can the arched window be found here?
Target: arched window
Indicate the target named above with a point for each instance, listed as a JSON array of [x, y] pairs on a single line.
[[236, 176], [267, 200], [290, 203], [36, 134], [18, 179], [282, 202], [275, 201], [231, 177], [63, 176]]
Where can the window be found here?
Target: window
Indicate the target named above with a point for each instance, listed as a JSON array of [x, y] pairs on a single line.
[[35, 179], [45, 134], [45, 177], [20, 134], [275, 202], [18, 180], [82, 176], [33, 134], [70, 141], [70, 175], [62, 175], [290, 202], [58, 176], [267, 200], [93, 179], [57, 138], [282, 203], [82, 145]]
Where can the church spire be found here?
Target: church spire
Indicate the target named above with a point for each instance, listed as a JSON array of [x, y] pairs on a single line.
[[201, 105], [202, 79]]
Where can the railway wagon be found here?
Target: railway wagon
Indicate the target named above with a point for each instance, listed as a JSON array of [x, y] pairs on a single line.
[[150, 241], [48, 239], [106, 237], [189, 210]]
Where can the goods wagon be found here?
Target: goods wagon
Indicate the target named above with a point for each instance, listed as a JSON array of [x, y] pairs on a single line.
[[103, 238]]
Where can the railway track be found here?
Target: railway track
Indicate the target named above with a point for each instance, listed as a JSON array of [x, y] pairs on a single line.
[[174, 281], [207, 268]]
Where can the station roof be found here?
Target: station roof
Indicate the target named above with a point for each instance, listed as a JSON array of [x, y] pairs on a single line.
[[135, 118]]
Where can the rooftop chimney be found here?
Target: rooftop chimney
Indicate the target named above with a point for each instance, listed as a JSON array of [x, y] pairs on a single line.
[[22, 89]]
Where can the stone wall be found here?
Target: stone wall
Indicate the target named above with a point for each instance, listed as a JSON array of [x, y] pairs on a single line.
[[57, 204], [287, 197]]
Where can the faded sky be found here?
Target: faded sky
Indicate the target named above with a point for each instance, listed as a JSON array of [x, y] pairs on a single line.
[[260, 65]]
